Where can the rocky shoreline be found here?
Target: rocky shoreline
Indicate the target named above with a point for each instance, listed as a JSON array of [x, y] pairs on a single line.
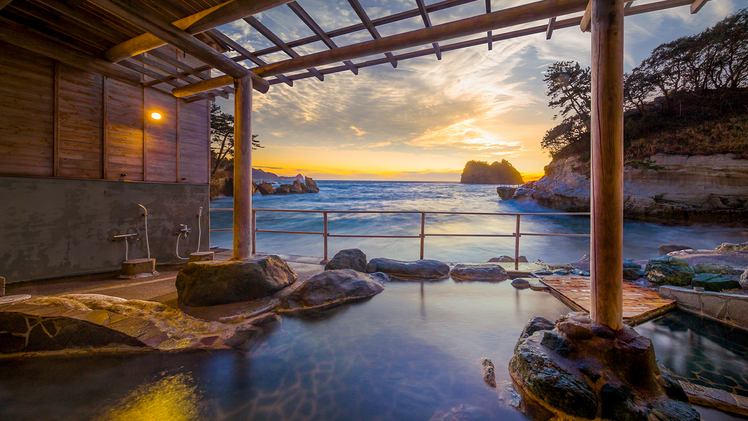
[[662, 188]]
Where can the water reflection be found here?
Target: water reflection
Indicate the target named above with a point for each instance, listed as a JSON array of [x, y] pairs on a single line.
[[173, 398], [701, 351]]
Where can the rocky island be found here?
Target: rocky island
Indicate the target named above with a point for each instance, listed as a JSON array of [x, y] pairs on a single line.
[[479, 172]]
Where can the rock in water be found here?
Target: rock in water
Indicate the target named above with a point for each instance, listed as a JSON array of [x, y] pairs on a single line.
[[484, 272], [583, 369], [668, 270], [332, 288], [283, 189], [506, 193], [423, 269], [348, 259], [669, 248], [266, 189], [520, 283], [296, 187], [479, 172], [221, 282], [311, 185], [489, 375]]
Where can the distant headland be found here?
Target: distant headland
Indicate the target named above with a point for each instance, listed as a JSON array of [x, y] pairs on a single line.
[[479, 172]]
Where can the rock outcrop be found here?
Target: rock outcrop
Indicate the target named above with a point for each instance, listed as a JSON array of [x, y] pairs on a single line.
[[421, 269], [311, 185], [482, 272], [265, 188], [216, 282], [479, 172], [332, 288], [689, 188], [582, 369], [348, 259]]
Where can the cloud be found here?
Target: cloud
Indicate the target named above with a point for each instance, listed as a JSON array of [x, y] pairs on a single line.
[[358, 132]]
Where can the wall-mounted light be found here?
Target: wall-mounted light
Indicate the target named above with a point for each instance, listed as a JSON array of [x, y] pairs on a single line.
[[156, 115]]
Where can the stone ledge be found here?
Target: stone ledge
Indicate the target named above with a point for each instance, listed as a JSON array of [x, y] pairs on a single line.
[[716, 398], [727, 308]]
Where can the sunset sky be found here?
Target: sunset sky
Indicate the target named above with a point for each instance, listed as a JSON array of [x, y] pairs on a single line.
[[425, 119]]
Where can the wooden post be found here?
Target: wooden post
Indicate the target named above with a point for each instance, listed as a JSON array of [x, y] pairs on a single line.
[[324, 222], [607, 163], [516, 245], [243, 168]]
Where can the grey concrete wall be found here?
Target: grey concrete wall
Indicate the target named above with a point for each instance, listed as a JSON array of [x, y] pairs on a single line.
[[57, 227], [728, 308]]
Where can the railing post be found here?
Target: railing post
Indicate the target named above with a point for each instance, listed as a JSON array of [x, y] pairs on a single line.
[[325, 236], [423, 232], [516, 245], [254, 231]]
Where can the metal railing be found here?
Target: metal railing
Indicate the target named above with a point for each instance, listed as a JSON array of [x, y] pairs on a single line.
[[326, 233]]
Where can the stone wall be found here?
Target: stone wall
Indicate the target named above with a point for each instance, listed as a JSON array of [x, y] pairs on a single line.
[[61, 227], [728, 308]]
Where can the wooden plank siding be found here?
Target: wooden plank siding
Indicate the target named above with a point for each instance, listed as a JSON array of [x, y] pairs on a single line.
[[59, 121], [26, 113]]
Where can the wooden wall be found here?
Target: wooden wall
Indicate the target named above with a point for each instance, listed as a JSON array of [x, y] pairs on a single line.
[[57, 121]]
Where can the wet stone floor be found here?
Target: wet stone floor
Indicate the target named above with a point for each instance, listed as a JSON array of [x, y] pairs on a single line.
[[701, 351]]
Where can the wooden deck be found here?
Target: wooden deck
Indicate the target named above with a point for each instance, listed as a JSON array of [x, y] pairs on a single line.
[[639, 304]]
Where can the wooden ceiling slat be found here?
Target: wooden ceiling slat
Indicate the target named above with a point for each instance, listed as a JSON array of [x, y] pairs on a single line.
[[245, 53], [427, 22], [309, 22], [85, 19], [267, 33], [60, 24], [370, 27]]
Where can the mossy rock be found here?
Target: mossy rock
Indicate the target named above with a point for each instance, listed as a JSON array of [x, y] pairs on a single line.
[[668, 270], [713, 268]]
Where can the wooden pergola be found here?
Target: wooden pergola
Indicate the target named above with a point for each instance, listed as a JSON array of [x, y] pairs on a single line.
[[119, 39]]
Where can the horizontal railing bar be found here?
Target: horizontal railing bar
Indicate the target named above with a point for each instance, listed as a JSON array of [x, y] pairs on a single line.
[[291, 232], [468, 235], [221, 229], [372, 236], [529, 234], [414, 212]]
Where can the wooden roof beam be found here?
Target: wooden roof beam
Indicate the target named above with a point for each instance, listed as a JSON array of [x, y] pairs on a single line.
[[551, 26], [267, 33], [586, 24], [544, 9], [20, 36], [243, 52], [370, 27], [489, 35], [199, 22], [304, 16], [181, 40], [427, 22], [627, 7], [697, 5]]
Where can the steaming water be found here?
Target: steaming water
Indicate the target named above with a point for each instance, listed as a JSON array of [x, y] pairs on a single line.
[[641, 239]]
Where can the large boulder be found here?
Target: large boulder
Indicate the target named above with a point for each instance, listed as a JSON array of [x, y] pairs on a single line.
[[348, 259], [632, 270], [714, 268], [332, 288], [582, 369], [669, 248], [506, 193], [216, 282], [668, 270], [265, 188], [283, 189], [483, 272], [423, 269]]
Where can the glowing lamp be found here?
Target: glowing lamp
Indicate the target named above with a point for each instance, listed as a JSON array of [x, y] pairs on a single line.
[[156, 116]]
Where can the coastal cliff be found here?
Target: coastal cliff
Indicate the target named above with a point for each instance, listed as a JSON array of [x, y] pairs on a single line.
[[668, 188], [479, 172]]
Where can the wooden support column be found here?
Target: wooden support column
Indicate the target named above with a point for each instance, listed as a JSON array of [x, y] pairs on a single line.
[[607, 163], [243, 168]]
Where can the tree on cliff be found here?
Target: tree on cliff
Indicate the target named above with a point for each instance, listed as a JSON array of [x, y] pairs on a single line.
[[479, 172], [222, 136], [568, 86]]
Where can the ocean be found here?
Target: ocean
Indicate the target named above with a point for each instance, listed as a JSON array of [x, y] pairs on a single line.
[[641, 239]]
